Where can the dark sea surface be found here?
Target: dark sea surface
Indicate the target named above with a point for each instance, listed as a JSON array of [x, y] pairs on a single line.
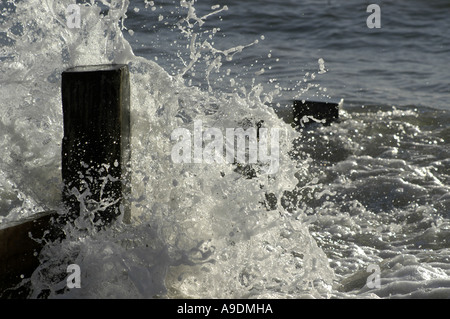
[[406, 62]]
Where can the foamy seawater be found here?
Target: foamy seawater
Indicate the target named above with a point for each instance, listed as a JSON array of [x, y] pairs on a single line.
[[370, 190]]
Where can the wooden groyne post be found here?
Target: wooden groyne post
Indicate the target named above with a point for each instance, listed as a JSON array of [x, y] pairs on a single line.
[[96, 143], [95, 168], [20, 244], [327, 112]]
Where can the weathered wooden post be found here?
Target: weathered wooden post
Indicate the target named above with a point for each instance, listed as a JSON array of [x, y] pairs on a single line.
[[95, 168], [324, 111], [20, 244], [96, 144]]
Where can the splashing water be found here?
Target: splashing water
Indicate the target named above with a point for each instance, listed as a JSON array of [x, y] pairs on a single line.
[[198, 230]]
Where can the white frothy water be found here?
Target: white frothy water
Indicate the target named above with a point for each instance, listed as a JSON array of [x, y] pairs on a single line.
[[208, 230], [198, 230]]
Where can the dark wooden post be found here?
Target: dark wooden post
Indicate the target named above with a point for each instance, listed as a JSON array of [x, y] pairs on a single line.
[[327, 111], [20, 244], [95, 168], [96, 144]]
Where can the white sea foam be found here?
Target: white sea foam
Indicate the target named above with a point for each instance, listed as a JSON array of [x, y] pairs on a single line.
[[198, 230]]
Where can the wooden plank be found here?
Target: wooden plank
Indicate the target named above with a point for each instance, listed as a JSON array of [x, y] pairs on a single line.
[[95, 158], [96, 145], [327, 111], [19, 250]]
